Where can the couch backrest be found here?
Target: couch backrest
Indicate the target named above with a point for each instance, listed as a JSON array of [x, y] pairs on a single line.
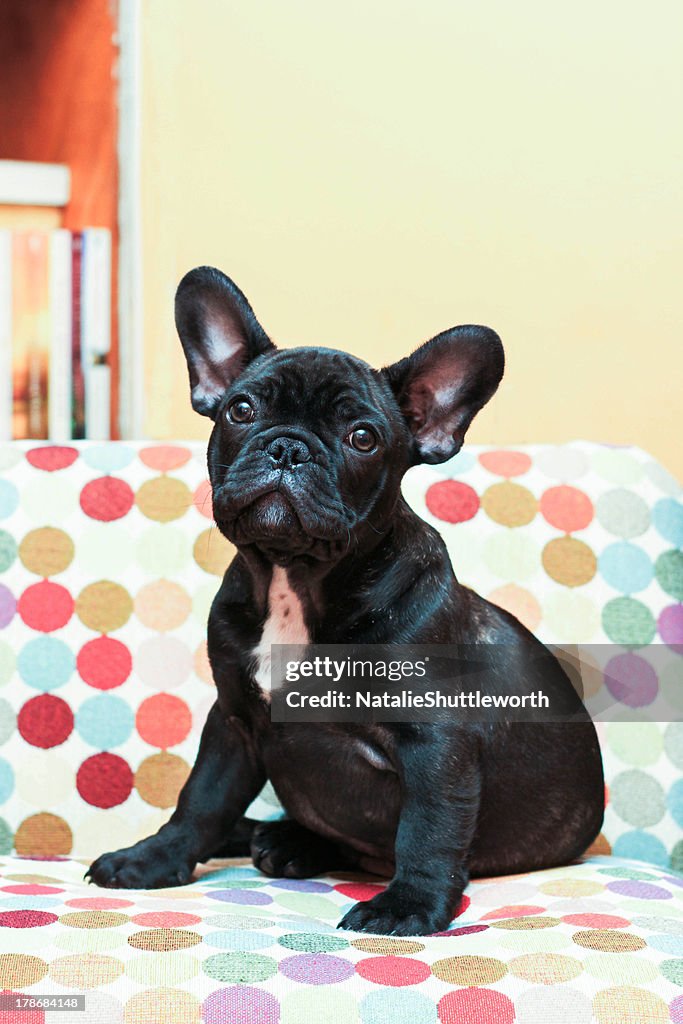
[[109, 562]]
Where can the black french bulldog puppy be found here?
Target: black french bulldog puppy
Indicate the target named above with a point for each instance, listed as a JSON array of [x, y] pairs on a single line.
[[306, 458]]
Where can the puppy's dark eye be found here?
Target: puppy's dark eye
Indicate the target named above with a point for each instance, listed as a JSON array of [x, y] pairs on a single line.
[[241, 410], [363, 439]]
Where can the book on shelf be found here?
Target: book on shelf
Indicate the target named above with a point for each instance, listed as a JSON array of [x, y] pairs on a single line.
[[55, 334]]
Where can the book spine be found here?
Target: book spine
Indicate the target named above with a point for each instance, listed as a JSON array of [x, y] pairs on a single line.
[[30, 314], [96, 331], [60, 384], [5, 335], [77, 375]]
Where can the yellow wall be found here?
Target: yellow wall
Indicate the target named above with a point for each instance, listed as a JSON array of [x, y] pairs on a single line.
[[375, 171]]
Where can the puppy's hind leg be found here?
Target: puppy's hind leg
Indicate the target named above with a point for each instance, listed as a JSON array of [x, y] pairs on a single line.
[[237, 843], [286, 849]]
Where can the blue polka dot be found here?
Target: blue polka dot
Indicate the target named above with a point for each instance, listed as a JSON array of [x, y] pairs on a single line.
[[239, 940], [6, 780], [108, 457], [383, 1006], [667, 515], [29, 902], [460, 463], [104, 721], [639, 845], [9, 498], [46, 663], [675, 802], [667, 944], [626, 567]]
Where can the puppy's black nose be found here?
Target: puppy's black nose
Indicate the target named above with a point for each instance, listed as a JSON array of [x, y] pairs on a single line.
[[288, 452]]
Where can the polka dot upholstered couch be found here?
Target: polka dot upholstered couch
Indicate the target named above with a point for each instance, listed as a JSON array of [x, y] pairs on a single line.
[[108, 564]]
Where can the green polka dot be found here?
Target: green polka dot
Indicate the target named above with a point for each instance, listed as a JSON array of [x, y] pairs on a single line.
[[571, 617], [638, 798], [202, 600], [616, 466], [235, 883], [673, 971], [628, 622], [81, 940], [670, 684], [6, 837], [637, 743], [163, 550], [309, 904], [545, 941], [511, 555], [623, 513], [8, 720], [49, 497], [669, 573], [8, 550], [677, 856], [244, 968], [630, 873], [310, 942], [662, 478], [7, 662], [621, 969], [327, 1005], [160, 969], [105, 549], [673, 743], [9, 457]]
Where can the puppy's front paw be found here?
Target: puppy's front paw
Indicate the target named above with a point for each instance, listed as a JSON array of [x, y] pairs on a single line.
[[400, 910], [285, 849], [149, 864]]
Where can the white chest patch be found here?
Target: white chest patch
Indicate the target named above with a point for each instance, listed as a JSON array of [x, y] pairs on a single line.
[[284, 625]]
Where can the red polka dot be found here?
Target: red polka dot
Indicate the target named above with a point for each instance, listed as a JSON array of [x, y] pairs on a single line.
[[164, 457], [107, 498], [452, 501], [359, 891], [393, 970], [476, 1006], [202, 500], [163, 720], [597, 920], [566, 508], [104, 663], [465, 929], [51, 457], [31, 889], [517, 910], [505, 463], [165, 919], [104, 780], [45, 721], [46, 606], [26, 918], [462, 906], [25, 1017], [98, 903]]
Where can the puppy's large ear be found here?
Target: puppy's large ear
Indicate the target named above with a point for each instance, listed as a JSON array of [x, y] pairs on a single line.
[[443, 384], [219, 334]]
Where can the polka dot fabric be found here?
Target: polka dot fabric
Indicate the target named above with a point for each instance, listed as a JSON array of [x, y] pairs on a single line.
[[108, 565]]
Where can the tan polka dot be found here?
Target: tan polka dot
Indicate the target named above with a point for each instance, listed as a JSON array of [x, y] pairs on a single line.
[[104, 606], [629, 1005], [526, 923], [600, 847], [509, 504], [201, 664], [43, 835], [160, 778], [546, 968], [163, 499], [569, 561], [469, 970], [386, 946], [607, 940], [85, 970], [162, 1006], [164, 940], [40, 879], [212, 552], [46, 551], [162, 605], [94, 919], [571, 887], [18, 970]]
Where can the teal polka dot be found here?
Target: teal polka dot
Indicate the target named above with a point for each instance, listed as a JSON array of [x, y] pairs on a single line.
[[672, 971], [387, 1007], [6, 837], [107, 458], [240, 967], [313, 942], [46, 663], [9, 498], [669, 573], [6, 780], [639, 845], [667, 515], [677, 856], [104, 721], [675, 802], [673, 743], [460, 463], [626, 567], [628, 622], [637, 798], [8, 550], [239, 940]]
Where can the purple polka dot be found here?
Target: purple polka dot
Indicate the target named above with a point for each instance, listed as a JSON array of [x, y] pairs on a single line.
[[301, 885], [316, 969], [466, 929], [670, 624], [631, 680], [676, 1010], [241, 1004], [640, 890], [674, 881], [8, 606], [246, 896]]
